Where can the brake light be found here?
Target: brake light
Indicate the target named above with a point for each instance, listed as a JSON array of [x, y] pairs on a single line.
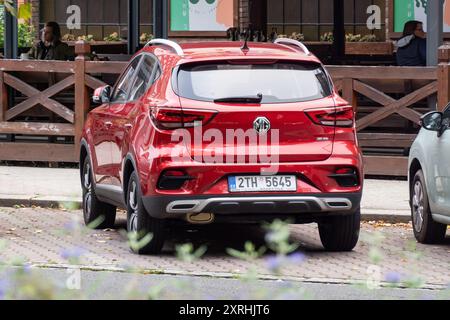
[[166, 118], [339, 116]]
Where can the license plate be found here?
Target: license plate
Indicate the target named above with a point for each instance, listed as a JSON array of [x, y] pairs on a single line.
[[262, 183]]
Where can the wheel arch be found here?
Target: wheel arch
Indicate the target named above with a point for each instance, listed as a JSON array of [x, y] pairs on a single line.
[[84, 152], [129, 166], [413, 169]]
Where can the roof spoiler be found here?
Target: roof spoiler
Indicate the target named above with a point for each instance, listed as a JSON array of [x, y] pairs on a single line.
[[169, 43], [292, 42]]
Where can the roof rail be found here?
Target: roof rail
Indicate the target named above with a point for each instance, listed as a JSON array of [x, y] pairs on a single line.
[[175, 46], [292, 42]]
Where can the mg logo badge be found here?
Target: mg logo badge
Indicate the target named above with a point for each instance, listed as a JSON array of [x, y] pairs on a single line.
[[261, 125]]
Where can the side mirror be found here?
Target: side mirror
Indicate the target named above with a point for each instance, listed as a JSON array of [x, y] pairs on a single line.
[[101, 95], [432, 121]]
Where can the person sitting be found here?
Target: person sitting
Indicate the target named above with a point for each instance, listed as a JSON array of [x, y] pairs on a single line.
[[50, 47], [412, 47]]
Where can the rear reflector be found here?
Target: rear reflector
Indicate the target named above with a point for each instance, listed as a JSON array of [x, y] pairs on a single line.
[[339, 116], [173, 180], [175, 118]]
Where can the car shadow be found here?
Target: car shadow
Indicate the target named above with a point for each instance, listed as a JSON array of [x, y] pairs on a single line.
[[218, 238]]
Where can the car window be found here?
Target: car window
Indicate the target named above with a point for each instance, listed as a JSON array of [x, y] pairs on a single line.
[[122, 87], [278, 82], [144, 78]]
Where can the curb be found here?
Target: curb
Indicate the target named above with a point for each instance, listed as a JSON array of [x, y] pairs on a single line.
[[368, 214], [72, 203]]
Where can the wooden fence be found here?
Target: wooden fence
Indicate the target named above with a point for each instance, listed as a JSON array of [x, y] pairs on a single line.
[[389, 102]]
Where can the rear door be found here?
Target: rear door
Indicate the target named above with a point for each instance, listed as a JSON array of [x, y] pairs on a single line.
[[117, 103], [279, 128], [123, 115]]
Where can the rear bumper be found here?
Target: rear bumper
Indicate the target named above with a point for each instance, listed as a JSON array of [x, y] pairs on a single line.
[[299, 205]]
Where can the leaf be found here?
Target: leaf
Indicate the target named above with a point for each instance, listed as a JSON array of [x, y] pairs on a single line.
[[25, 11]]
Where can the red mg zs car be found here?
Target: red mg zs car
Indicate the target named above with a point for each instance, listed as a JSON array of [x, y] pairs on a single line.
[[214, 132]]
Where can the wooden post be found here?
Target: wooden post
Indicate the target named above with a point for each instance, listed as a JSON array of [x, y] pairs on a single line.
[[3, 98], [443, 77], [82, 101], [348, 93]]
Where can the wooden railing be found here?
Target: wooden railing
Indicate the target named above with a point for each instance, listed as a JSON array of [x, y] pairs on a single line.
[[62, 105], [389, 102]]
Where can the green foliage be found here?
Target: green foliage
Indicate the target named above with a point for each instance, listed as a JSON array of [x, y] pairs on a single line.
[[327, 37], [25, 31], [277, 238], [186, 252], [113, 37], [250, 252]]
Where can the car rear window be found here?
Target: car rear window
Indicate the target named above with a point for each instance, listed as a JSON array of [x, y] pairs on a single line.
[[278, 82]]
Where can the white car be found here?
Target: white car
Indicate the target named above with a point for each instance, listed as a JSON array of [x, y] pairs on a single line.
[[429, 178]]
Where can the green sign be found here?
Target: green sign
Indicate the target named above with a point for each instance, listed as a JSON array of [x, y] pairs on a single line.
[[201, 15], [406, 10]]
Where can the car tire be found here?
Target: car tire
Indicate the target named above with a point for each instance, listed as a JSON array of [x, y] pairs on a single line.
[[141, 223], [96, 214], [340, 233], [426, 230]]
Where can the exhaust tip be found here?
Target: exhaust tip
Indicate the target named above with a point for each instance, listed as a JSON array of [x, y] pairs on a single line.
[[200, 218]]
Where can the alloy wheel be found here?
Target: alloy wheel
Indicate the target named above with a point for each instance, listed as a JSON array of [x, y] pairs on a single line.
[[418, 206], [133, 203], [87, 185]]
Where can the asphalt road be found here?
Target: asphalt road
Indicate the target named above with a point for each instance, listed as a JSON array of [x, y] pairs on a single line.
[[105, 285]]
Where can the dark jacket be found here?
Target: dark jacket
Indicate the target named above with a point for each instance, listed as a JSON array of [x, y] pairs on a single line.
[[56, 51], [412, 51]]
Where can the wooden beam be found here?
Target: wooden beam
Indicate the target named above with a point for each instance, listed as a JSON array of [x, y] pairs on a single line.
[[381, 72], [46, 152], [92, 82], [38, 97], [404, 102], [386, 166], [82, 102], [3, 97], [109, 67], [394, 140], [37, 66], [37, 128]]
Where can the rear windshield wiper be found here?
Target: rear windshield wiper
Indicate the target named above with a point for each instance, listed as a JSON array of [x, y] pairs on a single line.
[[250, 99]]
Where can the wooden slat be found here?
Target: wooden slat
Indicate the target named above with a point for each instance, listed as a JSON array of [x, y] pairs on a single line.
[[372, 93], [381, 72], [404, 102], [386, 166], [114, 67], [47, 152], [3, 97], [92, 82], [37, 97], [37, 128], [37, 66], [394, 140], [20, 85]]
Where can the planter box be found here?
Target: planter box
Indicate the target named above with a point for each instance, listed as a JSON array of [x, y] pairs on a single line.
[[369, 48]]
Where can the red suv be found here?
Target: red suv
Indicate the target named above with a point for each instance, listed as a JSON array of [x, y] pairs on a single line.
[[218, 132]]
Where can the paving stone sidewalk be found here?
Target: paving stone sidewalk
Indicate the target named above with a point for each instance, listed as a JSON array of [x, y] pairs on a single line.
[[44, 237]]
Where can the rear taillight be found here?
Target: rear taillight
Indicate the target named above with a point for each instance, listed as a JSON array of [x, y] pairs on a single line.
[[166, 118], [339, 116]]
